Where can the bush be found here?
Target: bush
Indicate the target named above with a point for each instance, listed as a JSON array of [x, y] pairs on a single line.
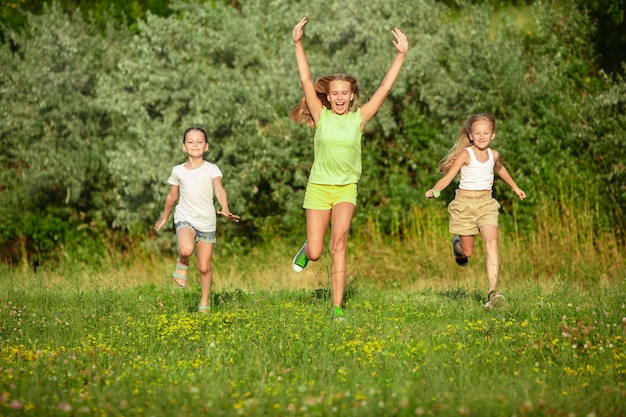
[[93, 120]]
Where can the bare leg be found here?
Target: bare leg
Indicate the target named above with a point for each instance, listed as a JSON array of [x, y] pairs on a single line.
[[467, 245], [204, 252], [186, 243], [489, 234], [341, 218], [316, 226]]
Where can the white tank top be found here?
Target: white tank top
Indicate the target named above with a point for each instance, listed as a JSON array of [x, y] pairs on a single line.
[[477, 176]]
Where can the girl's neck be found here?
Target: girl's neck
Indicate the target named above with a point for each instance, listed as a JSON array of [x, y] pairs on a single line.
[[193, 163], [482, 155], [479, 150]]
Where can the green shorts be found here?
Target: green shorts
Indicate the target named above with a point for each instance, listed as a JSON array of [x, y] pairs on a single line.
[[325, 197], [468, 213]]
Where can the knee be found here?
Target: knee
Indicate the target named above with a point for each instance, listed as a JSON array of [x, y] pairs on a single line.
[[337, 247], [204, 269], [491, 245], [313, 253], [185, 250]]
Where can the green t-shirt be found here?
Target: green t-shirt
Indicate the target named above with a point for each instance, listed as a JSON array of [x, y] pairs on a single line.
[[337, 149]]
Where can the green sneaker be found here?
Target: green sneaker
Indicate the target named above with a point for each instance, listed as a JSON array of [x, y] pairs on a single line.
[[300, 261], [338, 314]]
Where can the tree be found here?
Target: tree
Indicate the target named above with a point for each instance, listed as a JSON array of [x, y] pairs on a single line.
[[52, 135], [94, 116]]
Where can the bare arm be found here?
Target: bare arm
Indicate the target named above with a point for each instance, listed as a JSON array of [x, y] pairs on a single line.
[[310, 95], [504, 174], [170, 200], [222, 198], [369, 109], [462, 160]]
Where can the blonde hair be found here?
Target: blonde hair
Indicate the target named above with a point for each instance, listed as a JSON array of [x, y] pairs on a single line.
[[301, 114], [463, 139]]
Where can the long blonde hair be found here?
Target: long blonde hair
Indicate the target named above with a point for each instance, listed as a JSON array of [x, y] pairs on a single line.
[[301, 114], [463, 139]]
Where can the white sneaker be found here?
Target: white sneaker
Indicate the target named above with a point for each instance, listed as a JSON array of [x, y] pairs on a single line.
[[495, 300]]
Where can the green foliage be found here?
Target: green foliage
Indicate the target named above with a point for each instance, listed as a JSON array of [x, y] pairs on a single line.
[[94, 118], [609, 35], [54, 135], [14, 12], [601, 137]]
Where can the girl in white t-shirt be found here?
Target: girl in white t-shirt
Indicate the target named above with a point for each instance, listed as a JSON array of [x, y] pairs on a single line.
[[194, 184], [473, 209]]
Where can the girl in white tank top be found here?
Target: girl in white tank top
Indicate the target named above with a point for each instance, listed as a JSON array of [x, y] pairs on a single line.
[[473, 209]]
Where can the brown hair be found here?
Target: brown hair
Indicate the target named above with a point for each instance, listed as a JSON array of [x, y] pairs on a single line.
[[301, 113], [463, 139], [189, 129]]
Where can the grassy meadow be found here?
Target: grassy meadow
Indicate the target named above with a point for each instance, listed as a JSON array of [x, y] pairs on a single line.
[[125, 341]]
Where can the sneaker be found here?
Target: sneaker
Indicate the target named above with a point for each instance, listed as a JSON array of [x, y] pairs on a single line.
[[459, 257], [495, 300], [300, 261], [338, 314]]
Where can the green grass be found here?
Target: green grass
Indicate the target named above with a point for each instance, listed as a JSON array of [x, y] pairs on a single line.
[[416, 341], [124, 341]]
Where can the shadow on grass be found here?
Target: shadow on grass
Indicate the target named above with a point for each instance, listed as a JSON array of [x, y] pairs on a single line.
[[461, 293], [455, 293]]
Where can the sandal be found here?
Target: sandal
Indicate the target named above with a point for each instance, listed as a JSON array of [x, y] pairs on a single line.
[[177, 276], [459, 257], [203, 309]]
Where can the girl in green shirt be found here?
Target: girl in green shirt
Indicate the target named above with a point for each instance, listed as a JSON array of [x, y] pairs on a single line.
[[330, 105]]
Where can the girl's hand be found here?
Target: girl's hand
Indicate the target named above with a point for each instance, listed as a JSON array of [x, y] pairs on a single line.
[[230, 215], [160, 223], [401, 44], [298, 31], [520, 193], [432, 193]]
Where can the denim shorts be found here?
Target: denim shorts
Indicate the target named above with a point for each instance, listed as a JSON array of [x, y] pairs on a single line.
[[205, 237], [325, 197]]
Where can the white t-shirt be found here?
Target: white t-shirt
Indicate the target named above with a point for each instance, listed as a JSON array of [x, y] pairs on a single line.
[[477, 176], [195, 198]]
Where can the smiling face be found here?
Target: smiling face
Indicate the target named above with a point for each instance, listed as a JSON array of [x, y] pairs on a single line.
[[482, 134], [195, 144], [339, 96]]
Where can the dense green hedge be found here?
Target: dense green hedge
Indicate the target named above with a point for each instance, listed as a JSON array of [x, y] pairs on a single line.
[[92, 118]]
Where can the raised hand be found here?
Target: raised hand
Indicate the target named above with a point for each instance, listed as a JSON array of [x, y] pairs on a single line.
[[401, 44], [298, 30]]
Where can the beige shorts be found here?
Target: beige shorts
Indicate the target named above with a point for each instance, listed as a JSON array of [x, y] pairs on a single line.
[[325, 197], [472, 210]]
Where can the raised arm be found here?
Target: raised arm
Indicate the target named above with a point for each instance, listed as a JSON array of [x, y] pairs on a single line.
[[308, 88], [369, 109]]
